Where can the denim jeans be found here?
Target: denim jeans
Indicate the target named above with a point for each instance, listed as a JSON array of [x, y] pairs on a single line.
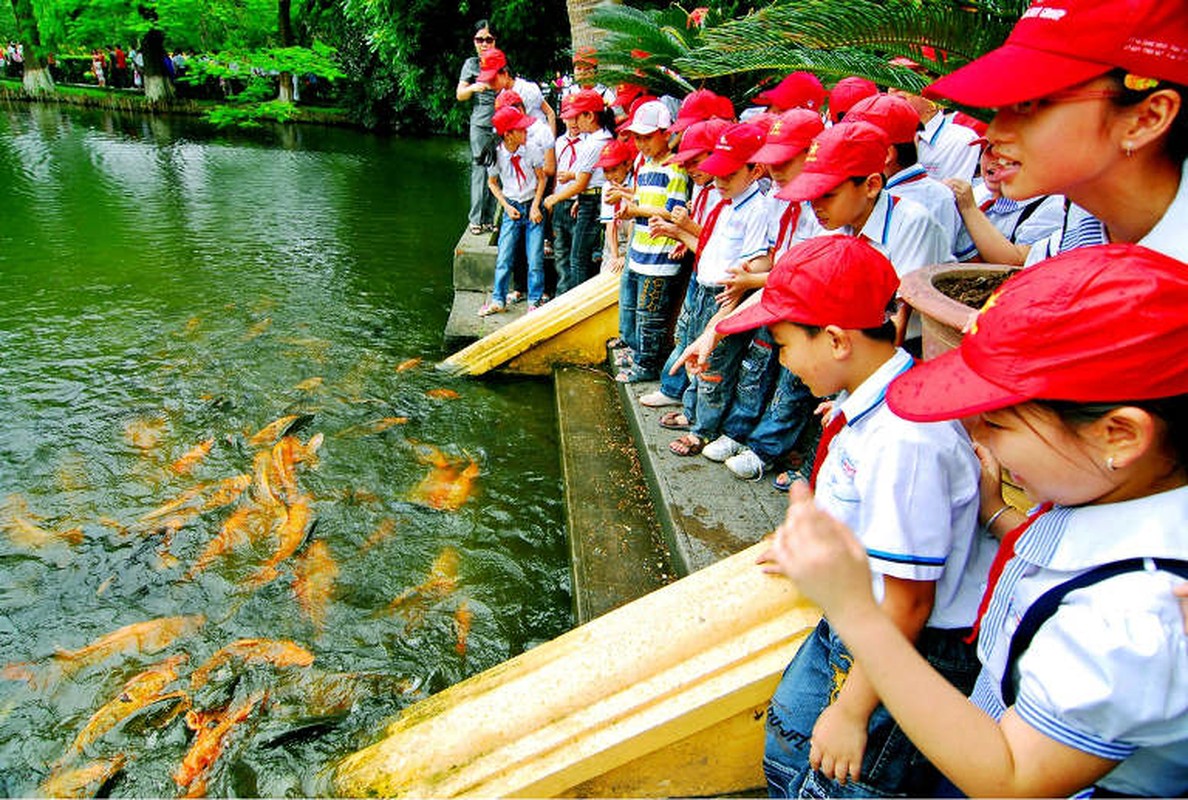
[[675, 385], [579, 266], [510, 232], [891, 764], [482, 202], [644, 305], [788, 413], [771, 406], [563, 223]]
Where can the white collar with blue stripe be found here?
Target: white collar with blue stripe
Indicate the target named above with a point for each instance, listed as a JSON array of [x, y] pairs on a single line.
[[913, 173], [872, 392]]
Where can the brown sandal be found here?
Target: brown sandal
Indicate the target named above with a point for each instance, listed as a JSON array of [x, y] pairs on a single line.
[[688, 445], [674, 421]]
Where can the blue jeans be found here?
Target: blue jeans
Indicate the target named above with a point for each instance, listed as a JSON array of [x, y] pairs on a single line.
[[891, 764], [771, 406], [644, 304], [510, 231], [563, 223], [577, 268], [674, 385]]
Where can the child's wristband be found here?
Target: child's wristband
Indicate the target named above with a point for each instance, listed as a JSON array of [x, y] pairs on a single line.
[[994, 517]]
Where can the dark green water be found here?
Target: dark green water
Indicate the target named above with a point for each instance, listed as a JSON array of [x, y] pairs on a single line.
[[163, 285]]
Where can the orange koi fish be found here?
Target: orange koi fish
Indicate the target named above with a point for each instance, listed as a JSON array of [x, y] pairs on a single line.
[[141, 690], [278, 428], [144, 434], [313, 584], [244, 525], [386, 527], [286, 455], [407, 365], [442, 581], [84, 781], [291, 534], [27, 536], [442, 394], [462, 619], [257, 329], [277, 652], [309, 384], [191, 457], [145, 637], [227, 491], [447, 485], [211, 729], [183, 500]]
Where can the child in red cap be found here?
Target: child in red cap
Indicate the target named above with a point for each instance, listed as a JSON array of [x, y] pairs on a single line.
[[517, 180], [615, 163], [1084, 680], [910, 490], [1090, 97]]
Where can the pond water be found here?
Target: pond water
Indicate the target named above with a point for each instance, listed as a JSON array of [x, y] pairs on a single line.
[[168, 292]]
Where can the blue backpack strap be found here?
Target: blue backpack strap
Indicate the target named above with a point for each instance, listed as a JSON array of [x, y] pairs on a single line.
[[1043, 608]]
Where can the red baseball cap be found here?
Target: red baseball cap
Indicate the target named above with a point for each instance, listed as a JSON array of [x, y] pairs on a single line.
[[508, 98], [798, 90], [614, 153], [581, 102], [510, 118], [586, 55], [844, 151], [973, 123], [696, 107], [1060, 43], [826, 280], [735, 149], [1098, 324], [890, 112], [625, 94], [789, 136], [846, 93], [700, 137], [491, 62]]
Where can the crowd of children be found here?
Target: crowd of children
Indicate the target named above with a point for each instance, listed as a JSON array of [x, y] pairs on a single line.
[[966, 647]]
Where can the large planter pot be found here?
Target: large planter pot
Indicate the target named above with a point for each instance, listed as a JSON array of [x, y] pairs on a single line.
[[943, 318]]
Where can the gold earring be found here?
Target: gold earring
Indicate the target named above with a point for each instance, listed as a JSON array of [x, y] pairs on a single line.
[[1110, 464]]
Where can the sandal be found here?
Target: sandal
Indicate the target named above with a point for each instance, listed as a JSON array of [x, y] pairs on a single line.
[[688, 445], [475, 229], [674, 421], [515, 297], [784, 480], [491, 308]]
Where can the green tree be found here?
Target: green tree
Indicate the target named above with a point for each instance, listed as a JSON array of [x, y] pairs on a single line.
[[37, 78]]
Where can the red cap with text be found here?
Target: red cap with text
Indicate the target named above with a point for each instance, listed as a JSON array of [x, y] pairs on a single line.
[[491, 62], [826, 280], [798, 90], [510, 119], [1060, 43], [848, 150], [893, 114], [587, 100], [696, 107], [846, 93], [699, 138], [1098, 324], [735, 149], [614, 153], [789, 136]]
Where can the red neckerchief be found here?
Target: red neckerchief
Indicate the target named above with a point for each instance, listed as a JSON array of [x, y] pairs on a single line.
[[1006, 551], [571, 148], [788, 222], [521, 176], [699, 203], [708, 228], [834, 426]]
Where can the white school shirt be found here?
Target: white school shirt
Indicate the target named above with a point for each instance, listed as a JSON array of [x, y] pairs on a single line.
[[1082, 229], [588, 153], [541, 137], [1004, 213], [1107, 674], [515, 188], [914, 183], [566, 151], [905, 232], [944, 148], [739, 235], [909, 491], [806, 226], [533, 99]]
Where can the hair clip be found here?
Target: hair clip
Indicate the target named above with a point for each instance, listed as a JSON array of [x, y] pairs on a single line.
[[1138, 83]]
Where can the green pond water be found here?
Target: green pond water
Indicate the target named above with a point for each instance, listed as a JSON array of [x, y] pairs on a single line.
[[163, 285]]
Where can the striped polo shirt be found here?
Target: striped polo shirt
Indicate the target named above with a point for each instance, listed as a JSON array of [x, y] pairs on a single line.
[[661, 186]]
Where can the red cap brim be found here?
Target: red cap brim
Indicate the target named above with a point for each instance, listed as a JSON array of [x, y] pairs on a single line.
[[777, 153], [747, 320], [684, 157], [1012, 74], [721, 165], [810, 186], [946, 388]]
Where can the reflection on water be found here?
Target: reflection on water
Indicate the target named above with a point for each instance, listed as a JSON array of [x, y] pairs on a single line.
[[189, 599]]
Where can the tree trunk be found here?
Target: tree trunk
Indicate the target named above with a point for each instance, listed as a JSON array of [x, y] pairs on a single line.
[[37, 78], [285, 32], [581, 31], [158, 86]]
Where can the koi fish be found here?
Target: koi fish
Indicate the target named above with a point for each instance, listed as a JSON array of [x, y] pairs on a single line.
[[291, 535], [448, 485], [386, 527], [236, 530], [144, 434], [442, 581], [146, 637], [442, 394], [257, 329], [287, 424], [227, 491], [27, 536], [191, 457], [308, 385], [278, 652], [141, 690], [313, 584], [84, 781], [286, 455], [407, 365], [181, 501], [376, 426], [211, 729], [462, 619]]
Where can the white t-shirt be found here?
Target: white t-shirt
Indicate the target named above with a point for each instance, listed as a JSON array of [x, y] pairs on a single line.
[[944, 148], [914, 183], [519, 186], [739, 235]]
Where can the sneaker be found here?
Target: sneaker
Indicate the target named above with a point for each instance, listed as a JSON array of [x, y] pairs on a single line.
[[722, 448], [624, 357], [491, 307], [747, 465], [658, 399]]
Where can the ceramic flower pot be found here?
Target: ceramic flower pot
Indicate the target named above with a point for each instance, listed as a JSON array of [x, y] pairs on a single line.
[[943, 317]]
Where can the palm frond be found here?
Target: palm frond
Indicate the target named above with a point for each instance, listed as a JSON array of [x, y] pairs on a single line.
[[829, 65]]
